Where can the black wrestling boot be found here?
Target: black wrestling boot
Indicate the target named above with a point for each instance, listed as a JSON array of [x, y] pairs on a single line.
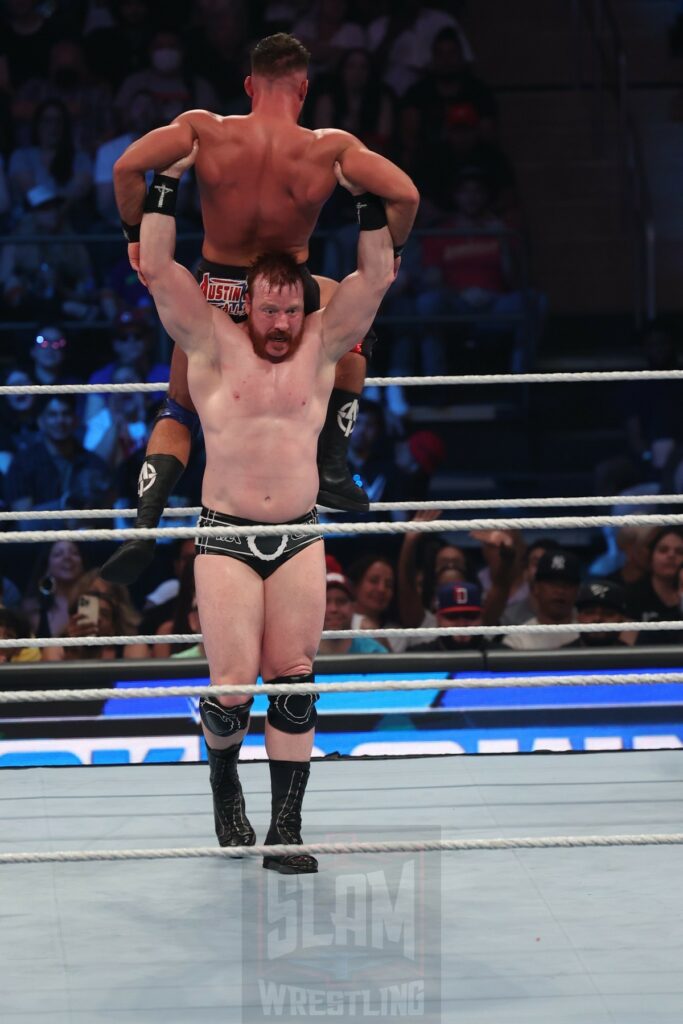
[[337, 487], [232, 825], [158, 477], [288, 784]]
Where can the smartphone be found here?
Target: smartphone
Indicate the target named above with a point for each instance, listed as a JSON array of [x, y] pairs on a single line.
[[89, 608]]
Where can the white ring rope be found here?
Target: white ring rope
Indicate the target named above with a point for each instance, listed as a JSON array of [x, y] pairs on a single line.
[[375, 506], [385, 846], [358, 686], [338, 529], [573, 377], [420, 632]]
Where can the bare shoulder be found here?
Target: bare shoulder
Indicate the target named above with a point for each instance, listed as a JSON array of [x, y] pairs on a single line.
[[206, 120], [336, 140]]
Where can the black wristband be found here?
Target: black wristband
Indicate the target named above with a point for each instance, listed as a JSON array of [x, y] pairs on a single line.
[[370, 211], [131, 232], [162, 195]]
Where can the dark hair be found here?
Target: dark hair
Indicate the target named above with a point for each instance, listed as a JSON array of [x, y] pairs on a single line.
[[44, 401], [664, 531], [360, 567], [15, 623], [371, 99], [279, 269], [183, 604], [62, 163], [278, 55]]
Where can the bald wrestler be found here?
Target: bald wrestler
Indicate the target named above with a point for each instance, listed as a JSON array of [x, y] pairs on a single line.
[[261, 390], [262, 182]]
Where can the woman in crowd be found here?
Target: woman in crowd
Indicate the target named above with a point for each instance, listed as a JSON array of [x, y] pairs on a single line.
[[185, 620], [110, 612], [18, 427], [356, 100], [53, 588], [52, 159], [374, 583], [655, 598]]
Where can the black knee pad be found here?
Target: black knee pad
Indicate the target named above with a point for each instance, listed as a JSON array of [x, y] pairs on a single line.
[[224, 721], [293, 712], [368, 344]]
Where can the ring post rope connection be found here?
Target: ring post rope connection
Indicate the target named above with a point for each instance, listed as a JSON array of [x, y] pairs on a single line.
[[355, 686], [338, 529], [387, 846]]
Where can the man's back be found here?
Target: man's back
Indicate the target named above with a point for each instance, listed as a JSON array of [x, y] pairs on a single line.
[[262, 181]]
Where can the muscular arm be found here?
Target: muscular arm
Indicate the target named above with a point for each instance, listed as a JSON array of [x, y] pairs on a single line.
[[354, 305], [374, 173], [154, 151]]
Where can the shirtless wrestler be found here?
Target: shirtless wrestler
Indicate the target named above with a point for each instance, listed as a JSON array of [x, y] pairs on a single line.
[[261, 390], [262, 181]]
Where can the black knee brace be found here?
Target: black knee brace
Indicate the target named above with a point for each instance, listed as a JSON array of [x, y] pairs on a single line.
[[224, 721], [293, 712]]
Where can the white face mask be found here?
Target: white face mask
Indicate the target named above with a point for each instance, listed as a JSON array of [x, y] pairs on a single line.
[[166, 59]]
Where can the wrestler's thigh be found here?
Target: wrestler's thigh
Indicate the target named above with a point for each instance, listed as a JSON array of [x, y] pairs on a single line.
[[294, 613], [230, 603], [327, 286], [177, 383]]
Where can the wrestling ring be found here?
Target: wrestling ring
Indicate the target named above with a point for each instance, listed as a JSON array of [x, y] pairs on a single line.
[[497, 888]]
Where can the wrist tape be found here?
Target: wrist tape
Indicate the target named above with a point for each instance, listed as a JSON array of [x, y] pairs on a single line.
[[162, 195], [131, 232], [370, 212]]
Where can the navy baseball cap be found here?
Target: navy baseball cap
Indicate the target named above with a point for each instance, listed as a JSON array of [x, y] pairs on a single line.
[[558, 566], [602, 594], [458, 597]]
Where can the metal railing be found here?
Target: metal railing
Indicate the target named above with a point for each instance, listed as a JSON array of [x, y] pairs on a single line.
[[609, 77]]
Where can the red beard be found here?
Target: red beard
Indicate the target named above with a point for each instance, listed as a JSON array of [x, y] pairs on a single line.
[[260, 343]]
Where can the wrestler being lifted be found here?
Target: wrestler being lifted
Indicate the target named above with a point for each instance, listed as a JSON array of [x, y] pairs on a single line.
[[262, 182], [261, 390]]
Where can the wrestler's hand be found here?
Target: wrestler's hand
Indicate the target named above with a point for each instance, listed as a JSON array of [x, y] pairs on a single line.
[[355, 190], [177, 169]]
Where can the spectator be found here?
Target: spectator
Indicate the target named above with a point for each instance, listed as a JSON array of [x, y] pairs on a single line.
[[402, 40], [472, 272], [601, 601], [185, 619], [46, 279], [217, 50], [53, 587], [368, 459], [139, 117], [48, 354], [508, 547], [633, 542], [172, 87], [517, 612], [132, 338], [374, 584], [418, 457], [89, 103], [457, 604], [25, 39], [161, 603], [52, 159], [18, 427], [328, 33], [427, 103], [339, 615], [121, 48], [113, 619], [13, 626], [417, 584], [554, 590], [654, 598], [354, 99], [119, 430], [57, 472]]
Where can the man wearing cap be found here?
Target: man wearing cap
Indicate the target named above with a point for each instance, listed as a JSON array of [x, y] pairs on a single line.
[[554, 591], [601, 601], [338, 615], [457, 604]]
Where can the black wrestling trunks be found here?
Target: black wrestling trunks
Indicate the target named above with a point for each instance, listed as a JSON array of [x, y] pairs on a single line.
[[263, 554], [225, 287]]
